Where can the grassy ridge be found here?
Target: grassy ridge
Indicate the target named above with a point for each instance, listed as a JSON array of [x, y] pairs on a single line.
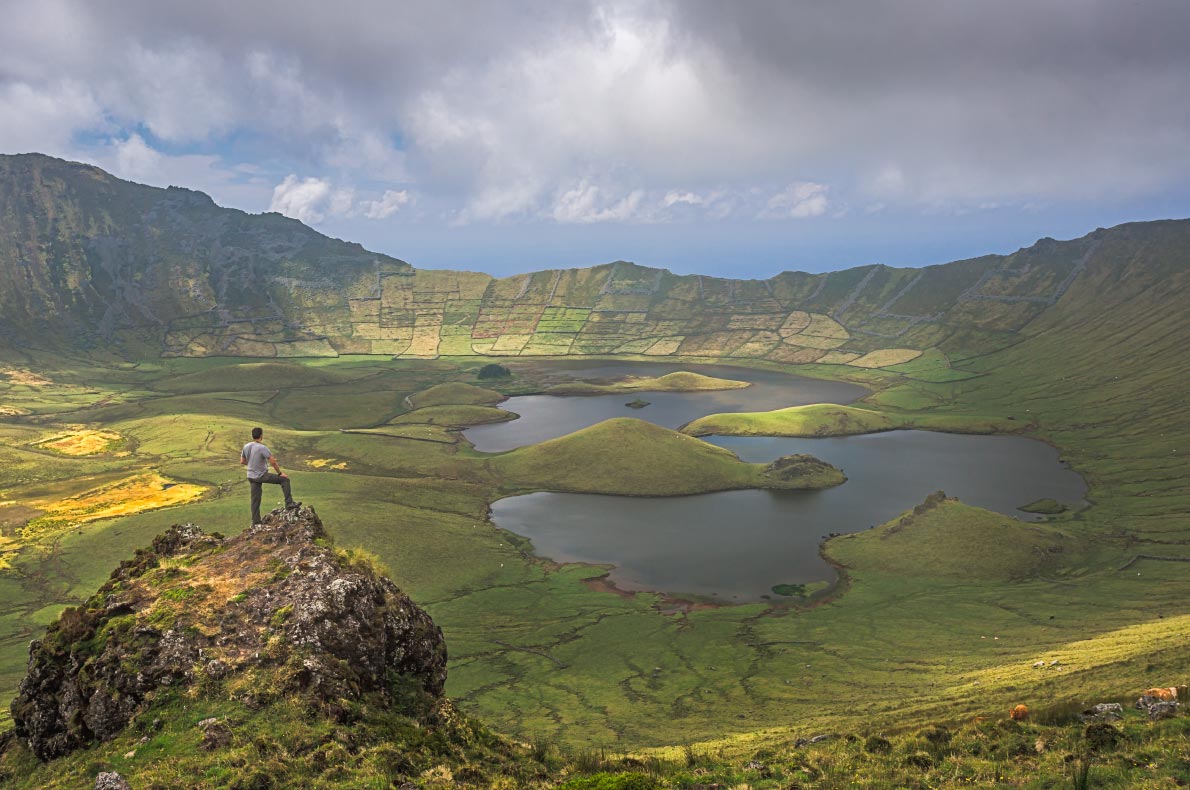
[[828, 419], [678, 381]]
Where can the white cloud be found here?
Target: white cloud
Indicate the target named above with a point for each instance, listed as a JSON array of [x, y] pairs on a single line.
[[44, 118], [674, 197], [586, 203], [136, 160], [800, 200], [389, 203], [301, 199], [313, 200], [497, 114]]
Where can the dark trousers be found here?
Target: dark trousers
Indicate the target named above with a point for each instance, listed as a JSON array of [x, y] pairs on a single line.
[[256, 486]]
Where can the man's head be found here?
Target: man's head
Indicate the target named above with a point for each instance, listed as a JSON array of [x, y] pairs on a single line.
[[257, 433]]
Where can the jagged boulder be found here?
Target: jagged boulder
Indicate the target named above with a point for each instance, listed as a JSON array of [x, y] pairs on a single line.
[[277, 600]]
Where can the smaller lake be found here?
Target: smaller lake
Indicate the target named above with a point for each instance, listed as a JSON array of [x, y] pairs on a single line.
[[545, 417], [735, 545]]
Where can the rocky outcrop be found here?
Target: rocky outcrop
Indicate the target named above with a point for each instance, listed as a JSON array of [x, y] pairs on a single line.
[[802, 471], [274, 611]]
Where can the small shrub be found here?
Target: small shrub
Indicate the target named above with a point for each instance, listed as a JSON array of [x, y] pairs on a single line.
[[589, 761], [494, 371], [607, 781], [1101, 736], [876, 744]]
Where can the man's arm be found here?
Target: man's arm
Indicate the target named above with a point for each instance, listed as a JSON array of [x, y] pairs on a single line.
[[277, 469]]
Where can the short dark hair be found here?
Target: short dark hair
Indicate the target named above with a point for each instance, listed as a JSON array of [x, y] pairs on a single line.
[[257, 433]]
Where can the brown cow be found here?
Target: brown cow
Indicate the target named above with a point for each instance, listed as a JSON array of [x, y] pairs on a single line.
[[1164, 695], [1019, 713]]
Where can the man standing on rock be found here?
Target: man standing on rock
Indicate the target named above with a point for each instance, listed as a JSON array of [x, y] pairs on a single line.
[[257, 458]]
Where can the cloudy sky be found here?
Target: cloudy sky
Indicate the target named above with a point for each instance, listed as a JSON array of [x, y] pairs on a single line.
[[699, 135]]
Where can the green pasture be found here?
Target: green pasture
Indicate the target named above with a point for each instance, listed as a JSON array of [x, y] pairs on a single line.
[[940, 621]]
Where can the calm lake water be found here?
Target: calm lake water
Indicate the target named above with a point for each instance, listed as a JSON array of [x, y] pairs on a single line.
[[550, 416], [735, 545]]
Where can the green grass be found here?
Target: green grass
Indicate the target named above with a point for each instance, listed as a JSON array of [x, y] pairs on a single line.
[[454, 416], [633, 457], [1048, 507], [826, 419], [679, 381], [455, 393], [946, 538], [908, 647]]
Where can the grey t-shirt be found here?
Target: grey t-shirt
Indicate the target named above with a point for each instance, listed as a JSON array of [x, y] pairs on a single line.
[[258, 457]]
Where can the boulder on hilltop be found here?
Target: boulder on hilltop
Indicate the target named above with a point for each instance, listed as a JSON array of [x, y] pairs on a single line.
[[274, 611]]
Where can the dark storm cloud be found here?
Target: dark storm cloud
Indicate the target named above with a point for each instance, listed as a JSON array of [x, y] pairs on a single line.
[[602, 112], [1060, 96]]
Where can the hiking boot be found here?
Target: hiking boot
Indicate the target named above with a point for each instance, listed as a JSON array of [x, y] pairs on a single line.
[[293, 505]]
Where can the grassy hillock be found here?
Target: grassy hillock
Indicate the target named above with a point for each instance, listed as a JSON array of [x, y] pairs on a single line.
[[828, 419], [456, 393], [456, 416], [946, 538], [633, 457], [679, 381]]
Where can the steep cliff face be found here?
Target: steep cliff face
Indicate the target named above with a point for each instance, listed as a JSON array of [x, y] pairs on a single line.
[[272, 612], [87, 259]]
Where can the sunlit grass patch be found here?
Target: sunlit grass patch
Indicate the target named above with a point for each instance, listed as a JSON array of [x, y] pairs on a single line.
[[25, 378], [327, 463], [136, 494], [678, 381], [83, 441], [886, 356]]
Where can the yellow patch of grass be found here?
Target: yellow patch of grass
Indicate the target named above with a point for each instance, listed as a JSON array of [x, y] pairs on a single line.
[[679, 381], [509, 344], [886, 356], [1110, 648], [82, 441], [26, 377], [11, 411], [328, 463], [824, 326], [8, 550], [665, 346], [425, 341], [839, 357], [794, 324], [126, 497]]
